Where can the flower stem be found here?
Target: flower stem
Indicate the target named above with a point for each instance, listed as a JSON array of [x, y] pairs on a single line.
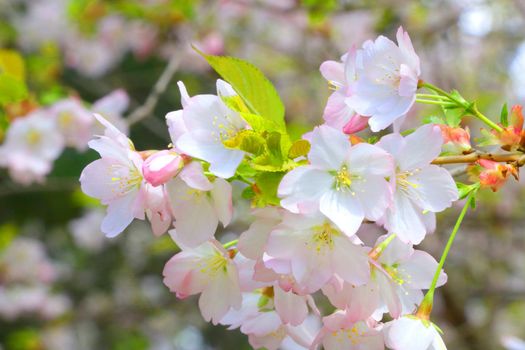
[[426, 305], [230, 244], [435, 102], [438, 97], [469, 107]]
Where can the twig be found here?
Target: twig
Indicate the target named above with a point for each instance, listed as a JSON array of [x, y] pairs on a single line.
[[473, 157], [146, 110]]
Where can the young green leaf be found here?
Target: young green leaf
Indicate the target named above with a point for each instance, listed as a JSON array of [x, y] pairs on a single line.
[[504, 115], [256, 91], [300, 148]]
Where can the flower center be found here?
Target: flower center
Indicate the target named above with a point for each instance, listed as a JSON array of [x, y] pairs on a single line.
[[323, 238], [214, 264], [352, 334], [343, 179], [127, 178], [403, 183], [65, 119], [394, 273], [33, 137]]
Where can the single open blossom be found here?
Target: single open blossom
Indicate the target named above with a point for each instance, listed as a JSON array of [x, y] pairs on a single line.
[[387, 79], [31, 145], [208, 270], [116, 179], [412, 333], [162, 166], [258, 319], [313, 250], [198, 205], [346, 183], [210, 124], [74, 121], [420, 188], [341, 76], [399, 273], [340, 332]]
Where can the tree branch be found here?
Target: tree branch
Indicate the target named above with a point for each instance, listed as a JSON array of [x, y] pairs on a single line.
[[146, 110], [473, 157]]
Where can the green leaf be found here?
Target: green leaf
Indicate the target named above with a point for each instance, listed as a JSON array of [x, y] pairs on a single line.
[[267, 184], [464, 189], [300, 148], [256, 91], [12, 90], [433, 119], [504, 115]]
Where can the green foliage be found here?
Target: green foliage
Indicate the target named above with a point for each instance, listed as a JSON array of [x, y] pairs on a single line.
[[455, 113], [504, 115], [465, 190], [299, 148], [12, 78], [267, 184], [256, 91], [8, 232]]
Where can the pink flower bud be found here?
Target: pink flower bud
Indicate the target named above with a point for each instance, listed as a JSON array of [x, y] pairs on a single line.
[[355, 124], [161, 167], [455, 140], [492, 174]]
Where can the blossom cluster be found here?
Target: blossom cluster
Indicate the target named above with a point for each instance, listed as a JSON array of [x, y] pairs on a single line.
[[26, 275], [309, 249], [34, 141]]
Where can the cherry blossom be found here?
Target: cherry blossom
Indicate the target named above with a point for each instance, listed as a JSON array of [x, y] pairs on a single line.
[[420, 189], [341, 76], [387, 80], [339, 332], [399, 273], [31, 145], [74, 121], [116, 179], [312, 250], [192, 193], [208, 270], [412, 333], [346, 183], [210, 123]]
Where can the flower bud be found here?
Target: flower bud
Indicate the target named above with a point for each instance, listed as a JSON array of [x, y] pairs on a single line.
[[161, 167], [455, 140], [492, 174], [355, 124]]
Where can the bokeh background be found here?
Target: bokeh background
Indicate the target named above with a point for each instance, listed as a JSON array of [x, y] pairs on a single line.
[[63, 285]]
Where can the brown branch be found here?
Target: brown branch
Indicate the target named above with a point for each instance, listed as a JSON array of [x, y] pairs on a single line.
[[519, 158], [146, 110]]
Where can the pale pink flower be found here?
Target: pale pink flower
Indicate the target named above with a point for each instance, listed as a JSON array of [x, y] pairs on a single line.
[[209, 270], [74, 121], [346, 183], [31, 145], [210, 123], [387, 79], [398, 276], [162, 166], [420, 188], [412, 333], [340, 332], [259, 319], [198, 205], [313, 250], [340, 76], [116, 179], [252, 242]]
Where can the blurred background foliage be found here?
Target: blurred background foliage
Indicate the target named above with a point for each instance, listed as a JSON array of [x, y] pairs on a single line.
[[95, 293]]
